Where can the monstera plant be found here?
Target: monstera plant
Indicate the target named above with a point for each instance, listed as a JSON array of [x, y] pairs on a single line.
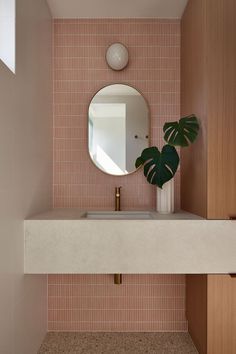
[[161, 166]]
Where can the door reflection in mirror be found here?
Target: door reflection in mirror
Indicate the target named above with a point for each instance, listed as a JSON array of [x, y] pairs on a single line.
[[118, 123]]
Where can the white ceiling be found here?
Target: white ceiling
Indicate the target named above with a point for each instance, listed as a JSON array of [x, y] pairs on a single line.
[[117, 8]]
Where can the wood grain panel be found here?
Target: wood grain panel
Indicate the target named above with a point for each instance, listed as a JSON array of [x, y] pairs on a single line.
[[221, 314], [193, 100], [208, 181], [221, 100], [208, 89], [196, 307]]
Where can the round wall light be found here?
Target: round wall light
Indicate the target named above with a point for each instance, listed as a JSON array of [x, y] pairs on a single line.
[[117, 56]]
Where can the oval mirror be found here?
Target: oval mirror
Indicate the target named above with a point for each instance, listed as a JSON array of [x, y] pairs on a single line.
[[118, 128]]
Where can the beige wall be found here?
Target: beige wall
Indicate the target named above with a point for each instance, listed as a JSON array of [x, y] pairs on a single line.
[[25, 175]]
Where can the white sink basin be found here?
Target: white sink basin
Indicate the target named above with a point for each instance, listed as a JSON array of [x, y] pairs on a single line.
[[120, 215]]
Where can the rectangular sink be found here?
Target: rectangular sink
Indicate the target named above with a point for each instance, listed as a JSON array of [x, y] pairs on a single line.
[[118, 215]]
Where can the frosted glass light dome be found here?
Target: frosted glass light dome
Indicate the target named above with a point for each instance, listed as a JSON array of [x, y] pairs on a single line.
[[117, 56]]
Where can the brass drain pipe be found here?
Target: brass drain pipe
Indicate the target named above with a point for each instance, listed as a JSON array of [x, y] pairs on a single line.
[[118, 279]]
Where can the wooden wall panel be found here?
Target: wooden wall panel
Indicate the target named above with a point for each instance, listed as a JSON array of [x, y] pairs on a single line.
[[208, 181], [221, 101], [193, 100], [196, 307], [221, 314], [208, 89]]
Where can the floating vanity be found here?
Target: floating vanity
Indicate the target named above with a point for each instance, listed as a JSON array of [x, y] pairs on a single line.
[[75, 241]]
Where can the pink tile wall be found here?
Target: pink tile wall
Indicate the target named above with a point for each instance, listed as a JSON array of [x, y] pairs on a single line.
[[79, 71], [93, 302]]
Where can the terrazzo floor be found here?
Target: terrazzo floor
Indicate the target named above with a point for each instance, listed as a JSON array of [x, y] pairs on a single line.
[[117, 343]]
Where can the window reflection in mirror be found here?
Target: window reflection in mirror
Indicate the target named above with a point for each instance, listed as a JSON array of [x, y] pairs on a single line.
[[118, 122]]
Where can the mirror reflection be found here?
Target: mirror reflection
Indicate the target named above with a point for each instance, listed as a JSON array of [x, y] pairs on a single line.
[[118, 125]]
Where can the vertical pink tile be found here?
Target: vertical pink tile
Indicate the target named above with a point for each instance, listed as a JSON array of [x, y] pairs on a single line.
[[93, 302], [80, 70]]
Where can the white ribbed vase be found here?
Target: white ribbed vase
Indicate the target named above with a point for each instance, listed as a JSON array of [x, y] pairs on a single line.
[[165, 198]]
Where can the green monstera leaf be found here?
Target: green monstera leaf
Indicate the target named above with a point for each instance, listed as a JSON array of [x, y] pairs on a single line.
[[159, 167], [183, 132]]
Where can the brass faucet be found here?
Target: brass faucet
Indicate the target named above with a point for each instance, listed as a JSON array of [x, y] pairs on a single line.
[[117, 198], [118, 279]]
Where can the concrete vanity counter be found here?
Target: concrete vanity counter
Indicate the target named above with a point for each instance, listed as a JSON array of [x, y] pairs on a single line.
[[63, 241]]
